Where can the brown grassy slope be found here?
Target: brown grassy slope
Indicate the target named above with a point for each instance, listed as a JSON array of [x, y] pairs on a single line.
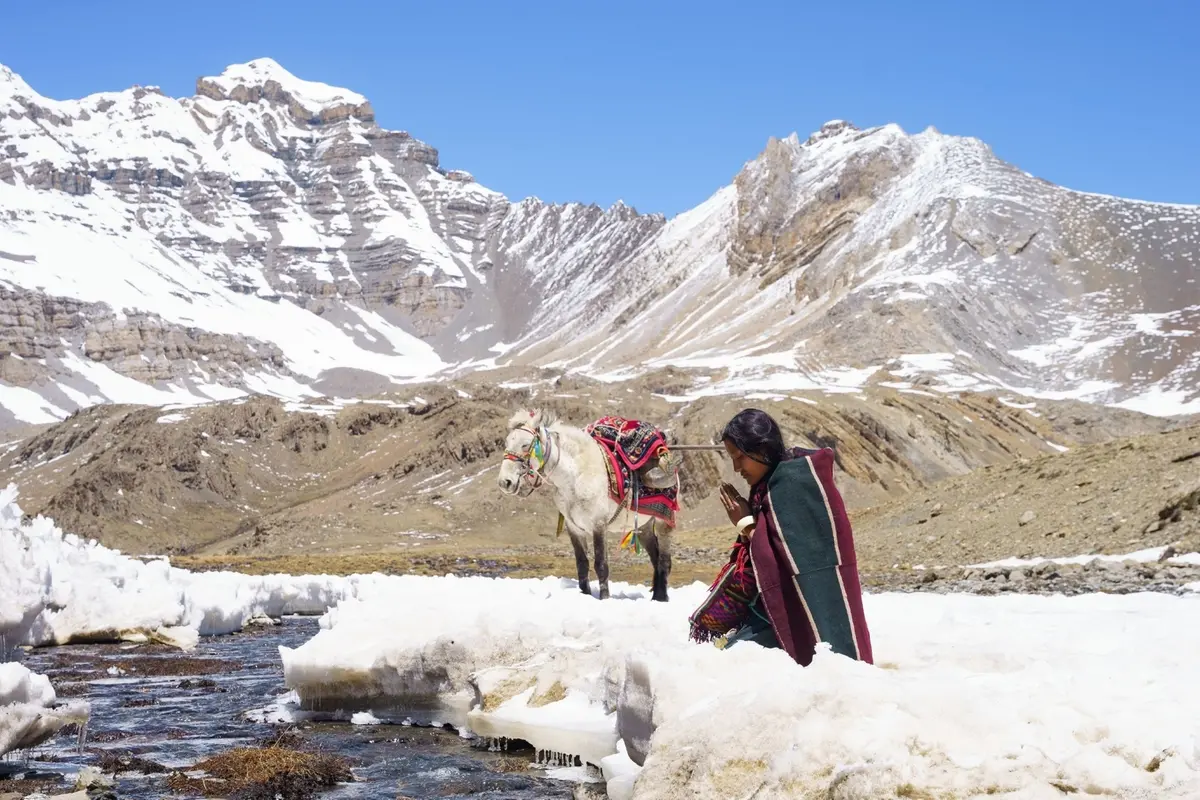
[[1115, 497], [413, 488]]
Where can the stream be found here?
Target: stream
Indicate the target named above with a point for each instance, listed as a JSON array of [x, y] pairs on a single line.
[[175, 709]]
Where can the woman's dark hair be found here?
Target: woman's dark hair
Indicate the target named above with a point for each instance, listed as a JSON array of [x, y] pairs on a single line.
[[757, 435]]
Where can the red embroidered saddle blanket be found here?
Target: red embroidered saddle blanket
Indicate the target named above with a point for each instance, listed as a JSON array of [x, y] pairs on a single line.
[[630, 446]]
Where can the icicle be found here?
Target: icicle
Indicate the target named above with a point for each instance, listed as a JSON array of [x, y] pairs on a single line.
[[82, 740]]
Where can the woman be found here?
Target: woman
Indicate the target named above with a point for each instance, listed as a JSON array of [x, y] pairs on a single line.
[[801, 548]]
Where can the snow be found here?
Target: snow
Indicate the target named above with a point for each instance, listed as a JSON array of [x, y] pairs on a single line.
[[1142, 556], [19, 685], [30, 711], [57, 588], [179, 261], [916, 363], [160, 258], [29, 406], [620, 773], [1149, 324], [118, 388], [134, 278], [972, 695], [312, 95], [1159, 402], [572, 725]]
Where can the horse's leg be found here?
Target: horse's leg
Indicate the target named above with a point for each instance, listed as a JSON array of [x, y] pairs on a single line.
[[650, 544], [600, 540], [662, 570], [581, 559]]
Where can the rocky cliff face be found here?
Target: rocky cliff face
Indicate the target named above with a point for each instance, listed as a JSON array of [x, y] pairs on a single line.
[[877, 256], [266, 235]]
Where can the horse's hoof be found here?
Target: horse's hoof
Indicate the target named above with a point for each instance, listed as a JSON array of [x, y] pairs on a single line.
[[604, 593], [661, 598]]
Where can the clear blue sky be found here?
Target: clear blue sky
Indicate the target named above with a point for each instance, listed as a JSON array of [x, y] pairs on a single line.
[[659, 104]]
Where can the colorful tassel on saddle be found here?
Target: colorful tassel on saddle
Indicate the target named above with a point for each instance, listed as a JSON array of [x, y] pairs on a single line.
[[631, 542]]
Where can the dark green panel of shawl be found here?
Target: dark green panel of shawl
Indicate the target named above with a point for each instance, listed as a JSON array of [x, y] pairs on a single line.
[[802, 517], [806, 526]]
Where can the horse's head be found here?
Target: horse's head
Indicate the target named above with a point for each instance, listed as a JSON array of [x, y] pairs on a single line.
[[526, 449]]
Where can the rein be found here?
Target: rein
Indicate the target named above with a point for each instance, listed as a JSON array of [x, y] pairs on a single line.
[[538, 451]]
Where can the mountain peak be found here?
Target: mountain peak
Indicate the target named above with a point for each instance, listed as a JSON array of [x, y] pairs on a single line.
[[13, 85], [266, 78], [832, 128]]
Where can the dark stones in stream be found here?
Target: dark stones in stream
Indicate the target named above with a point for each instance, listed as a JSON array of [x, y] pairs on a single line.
[[157, 714]]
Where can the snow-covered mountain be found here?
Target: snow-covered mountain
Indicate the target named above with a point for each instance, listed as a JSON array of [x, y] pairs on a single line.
[[267, 236]]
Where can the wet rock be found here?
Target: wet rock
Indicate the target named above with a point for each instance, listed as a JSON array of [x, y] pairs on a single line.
[[114, 762]]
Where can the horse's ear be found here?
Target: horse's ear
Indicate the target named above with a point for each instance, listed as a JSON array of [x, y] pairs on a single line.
[[531, 417]]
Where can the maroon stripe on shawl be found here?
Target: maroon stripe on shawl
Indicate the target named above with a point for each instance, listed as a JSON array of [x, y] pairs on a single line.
[[823, 462]]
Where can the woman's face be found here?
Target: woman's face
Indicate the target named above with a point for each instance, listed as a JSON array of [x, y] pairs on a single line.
[[751, 471]]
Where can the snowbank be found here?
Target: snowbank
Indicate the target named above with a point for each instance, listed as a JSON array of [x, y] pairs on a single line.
[[29, 710], [1025, 696], [57, 588], [1149, 555]]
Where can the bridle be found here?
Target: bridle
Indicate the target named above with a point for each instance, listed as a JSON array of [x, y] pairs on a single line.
[[533, 461]]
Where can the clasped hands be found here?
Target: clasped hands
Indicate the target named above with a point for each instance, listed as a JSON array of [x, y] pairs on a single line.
[[738, 510]]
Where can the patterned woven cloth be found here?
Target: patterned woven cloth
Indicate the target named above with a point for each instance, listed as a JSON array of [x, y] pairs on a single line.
[[726, 607], [629, 446]]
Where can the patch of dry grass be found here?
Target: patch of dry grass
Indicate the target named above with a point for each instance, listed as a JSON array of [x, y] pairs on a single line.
[[700, 552], [635, 570], [251, 773]]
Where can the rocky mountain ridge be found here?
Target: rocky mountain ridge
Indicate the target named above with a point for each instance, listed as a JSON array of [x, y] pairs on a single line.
[[267, 236]]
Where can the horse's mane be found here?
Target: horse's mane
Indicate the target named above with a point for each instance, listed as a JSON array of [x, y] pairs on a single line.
[[532, 416]]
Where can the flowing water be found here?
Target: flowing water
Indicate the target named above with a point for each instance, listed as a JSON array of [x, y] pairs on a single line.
[[175, 709]]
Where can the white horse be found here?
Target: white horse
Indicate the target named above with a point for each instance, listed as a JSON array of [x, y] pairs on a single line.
[[541, 449]]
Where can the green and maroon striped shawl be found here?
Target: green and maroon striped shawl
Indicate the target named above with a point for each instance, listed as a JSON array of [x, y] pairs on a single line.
[[803, 556]]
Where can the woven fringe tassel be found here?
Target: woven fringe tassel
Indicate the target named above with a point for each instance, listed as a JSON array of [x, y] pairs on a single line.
[[630, 542]]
